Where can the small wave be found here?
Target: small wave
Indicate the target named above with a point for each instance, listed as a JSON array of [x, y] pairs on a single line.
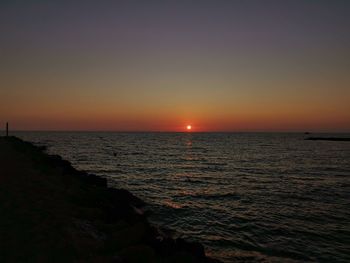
[[172, 204], [129, 153], [190, 180], [214, 163], [188, 160], [213, 196], [113, 171], [136, 153], [215, 168]]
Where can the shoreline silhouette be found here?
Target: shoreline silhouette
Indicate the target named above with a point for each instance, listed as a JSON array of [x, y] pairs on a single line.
[[55, 213]]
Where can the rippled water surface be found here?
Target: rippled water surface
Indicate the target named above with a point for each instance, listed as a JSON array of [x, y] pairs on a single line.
[[245, 196]]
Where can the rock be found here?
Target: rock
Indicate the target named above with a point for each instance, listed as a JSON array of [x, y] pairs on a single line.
[[193, 248], [137, 254], [122, 195]]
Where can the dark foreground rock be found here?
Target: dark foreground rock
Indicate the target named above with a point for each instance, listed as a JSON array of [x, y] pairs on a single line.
[[50, 212]]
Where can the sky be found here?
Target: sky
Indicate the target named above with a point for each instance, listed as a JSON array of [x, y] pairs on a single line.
[[217, 65]]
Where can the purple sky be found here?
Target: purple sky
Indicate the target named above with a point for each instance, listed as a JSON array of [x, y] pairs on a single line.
[[157, 65]]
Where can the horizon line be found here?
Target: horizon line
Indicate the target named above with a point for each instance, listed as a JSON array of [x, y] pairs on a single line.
[[158, 131]]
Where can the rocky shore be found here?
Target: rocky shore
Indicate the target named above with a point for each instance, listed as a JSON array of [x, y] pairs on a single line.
[[51, 212]]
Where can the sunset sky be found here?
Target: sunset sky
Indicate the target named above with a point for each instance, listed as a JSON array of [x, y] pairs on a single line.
[[163, 65]]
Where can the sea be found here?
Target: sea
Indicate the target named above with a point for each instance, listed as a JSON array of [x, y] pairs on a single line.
[[247, 197]]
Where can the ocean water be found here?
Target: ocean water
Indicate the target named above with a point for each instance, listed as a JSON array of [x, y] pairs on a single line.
[[267, 197]]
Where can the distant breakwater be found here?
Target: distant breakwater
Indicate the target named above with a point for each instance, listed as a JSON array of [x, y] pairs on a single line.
[[337, 139]]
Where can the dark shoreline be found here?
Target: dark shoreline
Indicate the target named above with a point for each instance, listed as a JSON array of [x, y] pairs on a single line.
[[45, 201]]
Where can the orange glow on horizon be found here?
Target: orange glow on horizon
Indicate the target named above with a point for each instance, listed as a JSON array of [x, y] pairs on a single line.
[[189, 127]]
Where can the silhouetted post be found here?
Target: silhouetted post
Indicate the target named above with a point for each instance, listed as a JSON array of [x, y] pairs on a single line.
[[7, 129]]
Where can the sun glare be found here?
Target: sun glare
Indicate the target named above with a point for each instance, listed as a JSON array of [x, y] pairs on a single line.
[[189, 127]]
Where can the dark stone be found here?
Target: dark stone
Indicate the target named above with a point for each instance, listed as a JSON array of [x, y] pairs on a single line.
[[42, 148], [193, 248], [118, 259], [122, 195], [93, 179]]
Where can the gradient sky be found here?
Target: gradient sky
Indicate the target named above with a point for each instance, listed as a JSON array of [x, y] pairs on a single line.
[[160, 65]]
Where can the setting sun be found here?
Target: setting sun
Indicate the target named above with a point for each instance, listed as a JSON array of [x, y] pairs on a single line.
[[189, 127]]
